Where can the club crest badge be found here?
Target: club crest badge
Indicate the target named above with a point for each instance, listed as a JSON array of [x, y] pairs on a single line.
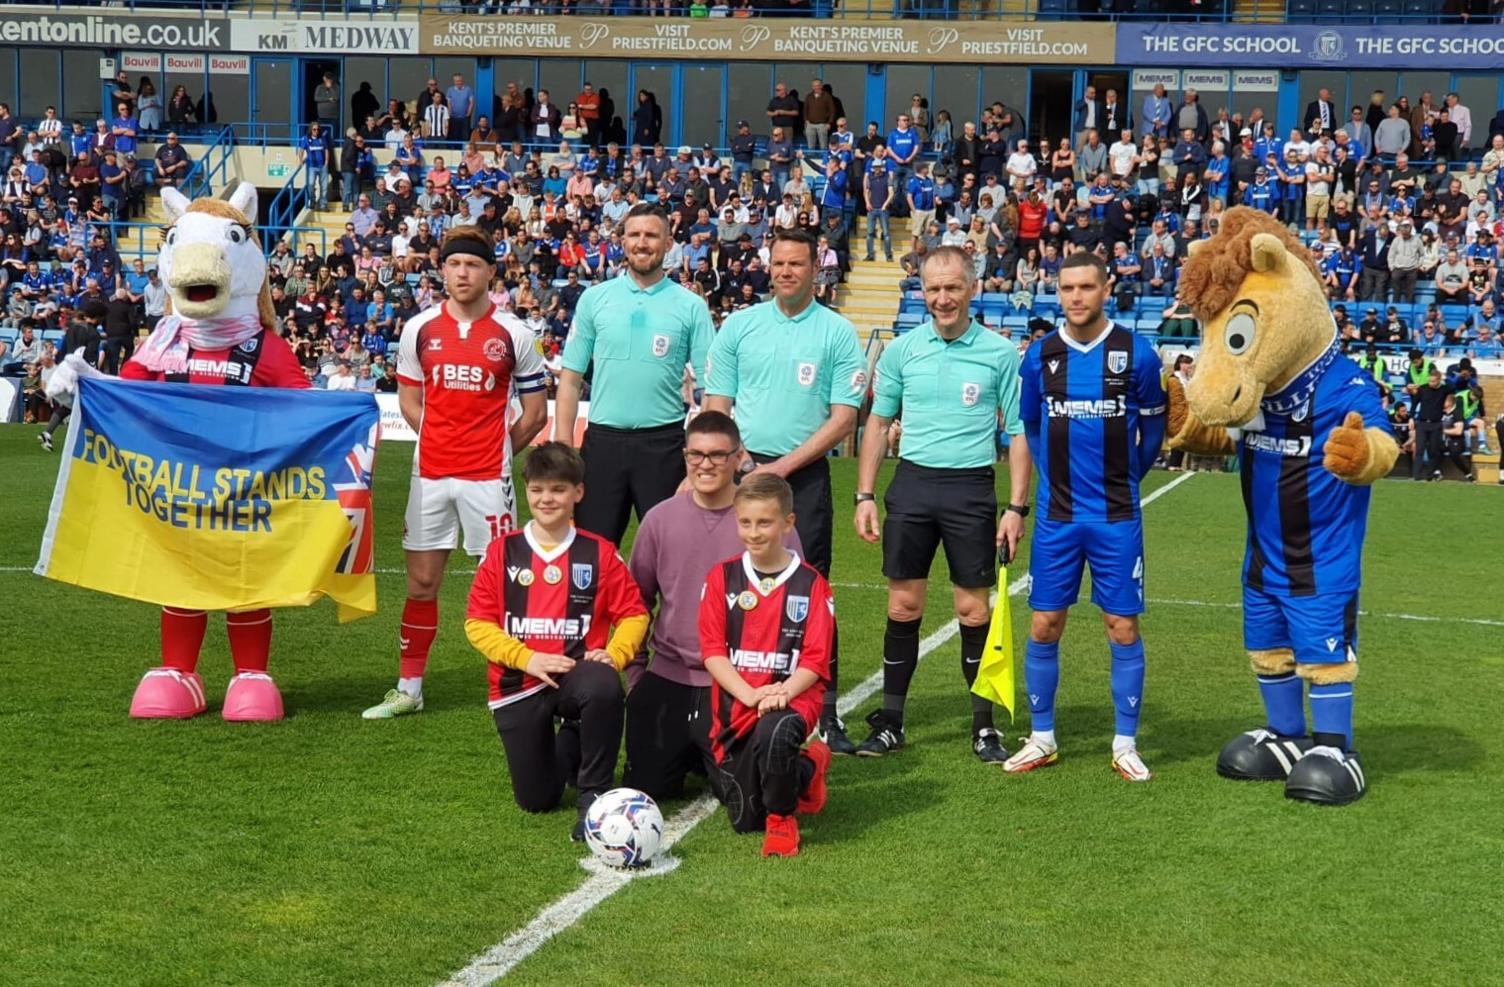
[[747, 600], [660, 346], [582, 575], [970, 393], [552, 575], [494, 349], [796, 608], [806, 374], [1117, 361]]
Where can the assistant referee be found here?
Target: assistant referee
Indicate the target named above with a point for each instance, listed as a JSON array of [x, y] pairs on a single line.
[[795, 373], [639, 331], [957, 383]]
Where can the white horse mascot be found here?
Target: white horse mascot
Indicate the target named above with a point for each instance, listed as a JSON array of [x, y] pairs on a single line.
[[220, 330]]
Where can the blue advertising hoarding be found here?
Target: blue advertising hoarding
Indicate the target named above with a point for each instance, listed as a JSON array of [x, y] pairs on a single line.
[[1305, 46]]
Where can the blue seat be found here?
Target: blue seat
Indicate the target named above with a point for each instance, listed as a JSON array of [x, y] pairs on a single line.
[[1387, 10], [1422, 10], [1300, 10], [1360, 10], [9, 336], [1454, 314], [52, 336], [994, 297]]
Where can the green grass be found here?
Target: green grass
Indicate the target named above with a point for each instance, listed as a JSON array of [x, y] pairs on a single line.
[[327, 850]]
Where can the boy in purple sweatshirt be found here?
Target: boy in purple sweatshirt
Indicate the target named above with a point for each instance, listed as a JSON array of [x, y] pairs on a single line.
[[678, 542]]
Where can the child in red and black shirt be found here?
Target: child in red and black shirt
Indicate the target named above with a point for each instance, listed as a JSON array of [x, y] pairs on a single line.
[[542, 609], [767, 621]]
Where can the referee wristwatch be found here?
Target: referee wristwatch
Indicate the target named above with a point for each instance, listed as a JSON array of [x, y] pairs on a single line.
[[862, 498], [1022, 510]]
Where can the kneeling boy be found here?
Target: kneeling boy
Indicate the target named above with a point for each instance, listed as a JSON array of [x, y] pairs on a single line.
[[766, 624], [541, 607]]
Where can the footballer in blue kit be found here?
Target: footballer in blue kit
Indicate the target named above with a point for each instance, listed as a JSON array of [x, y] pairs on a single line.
[[1093, 407]]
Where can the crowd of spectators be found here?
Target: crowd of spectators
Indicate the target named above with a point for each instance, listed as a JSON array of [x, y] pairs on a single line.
[[1400, 211]]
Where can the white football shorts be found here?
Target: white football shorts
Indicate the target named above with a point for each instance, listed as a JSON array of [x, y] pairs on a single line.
[[438, 510]]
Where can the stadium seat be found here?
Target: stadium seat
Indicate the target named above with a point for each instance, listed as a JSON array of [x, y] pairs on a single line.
[[1454, 314], [1360, 10], [1300, 10], [54, 336], [1421, 10], [1386, 10]]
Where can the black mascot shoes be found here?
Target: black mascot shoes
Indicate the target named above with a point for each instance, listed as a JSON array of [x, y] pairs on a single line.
[[1261, 755], [1327, 776]]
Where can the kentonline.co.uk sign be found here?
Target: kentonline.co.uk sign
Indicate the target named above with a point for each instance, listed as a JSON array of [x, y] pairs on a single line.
[[292, 36]]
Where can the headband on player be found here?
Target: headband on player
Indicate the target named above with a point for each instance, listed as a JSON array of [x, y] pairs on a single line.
[[465, 245]]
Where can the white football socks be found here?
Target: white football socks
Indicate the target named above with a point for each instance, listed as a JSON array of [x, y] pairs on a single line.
[[412, 687], [1122, 744], [1044, 738]]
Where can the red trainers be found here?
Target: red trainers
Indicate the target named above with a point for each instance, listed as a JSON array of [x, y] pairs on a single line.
[[813, 799], [782, 839]]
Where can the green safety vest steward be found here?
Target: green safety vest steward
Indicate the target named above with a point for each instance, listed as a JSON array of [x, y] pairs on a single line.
[[1419, 375], [784, 374], [639, 339], [950, 393], [1467, 404]]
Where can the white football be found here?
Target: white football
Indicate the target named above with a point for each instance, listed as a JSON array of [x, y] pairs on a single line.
[[623, 828]]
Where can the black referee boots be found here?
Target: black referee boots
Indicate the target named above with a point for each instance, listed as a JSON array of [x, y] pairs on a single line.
[[833, 733], [885, 737]]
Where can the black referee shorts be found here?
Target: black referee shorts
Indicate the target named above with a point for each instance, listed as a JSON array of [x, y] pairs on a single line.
[[814, 514], [928, 507], [627, 469], [668, 735]]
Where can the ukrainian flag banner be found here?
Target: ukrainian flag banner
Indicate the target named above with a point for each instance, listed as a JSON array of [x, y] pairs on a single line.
[[216, 498], [998, 672]]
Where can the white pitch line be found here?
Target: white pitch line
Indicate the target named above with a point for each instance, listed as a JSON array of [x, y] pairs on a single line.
[[503, 957], [1361, 613]]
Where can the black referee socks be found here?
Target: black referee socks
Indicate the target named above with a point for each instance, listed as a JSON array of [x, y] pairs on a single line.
[[973, 642], [900, 658]]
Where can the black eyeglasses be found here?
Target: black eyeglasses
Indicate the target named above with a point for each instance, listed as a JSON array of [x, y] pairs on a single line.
[[695, 458]]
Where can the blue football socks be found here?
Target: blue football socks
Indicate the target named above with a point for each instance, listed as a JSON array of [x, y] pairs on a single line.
[[1127, 685], [1041, 679], [1332, 712], [1284, 703]]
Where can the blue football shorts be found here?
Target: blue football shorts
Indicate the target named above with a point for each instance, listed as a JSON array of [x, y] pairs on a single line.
[[1321, 629], [1115, 552]]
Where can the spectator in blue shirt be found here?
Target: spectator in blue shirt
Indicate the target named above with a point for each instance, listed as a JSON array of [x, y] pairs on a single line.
[[461, 99], [313, 157], [1189, 153], [1262, 195], [1215, 174], [123, 129], [904, 145]]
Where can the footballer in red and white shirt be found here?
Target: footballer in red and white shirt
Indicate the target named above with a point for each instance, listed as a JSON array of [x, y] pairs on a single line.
[[459, 365]]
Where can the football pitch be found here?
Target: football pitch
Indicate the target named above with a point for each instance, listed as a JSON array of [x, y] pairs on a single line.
[[329, 850]]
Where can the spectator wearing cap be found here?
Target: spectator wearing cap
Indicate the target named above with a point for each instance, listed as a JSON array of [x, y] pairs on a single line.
[[743, 149], [172, 162], [112, 184], [1404, 262]]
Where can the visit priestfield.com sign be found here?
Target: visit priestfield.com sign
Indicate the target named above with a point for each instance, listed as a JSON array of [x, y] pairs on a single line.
[[1295, 46], [290, 35], [791, 39]]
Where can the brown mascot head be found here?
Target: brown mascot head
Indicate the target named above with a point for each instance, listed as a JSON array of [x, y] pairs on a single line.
[[1263, 315]]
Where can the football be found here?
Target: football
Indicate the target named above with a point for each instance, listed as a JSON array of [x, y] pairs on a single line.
[[623, 828]]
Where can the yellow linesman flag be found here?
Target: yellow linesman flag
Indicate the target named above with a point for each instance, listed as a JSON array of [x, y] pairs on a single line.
[[998, 673]]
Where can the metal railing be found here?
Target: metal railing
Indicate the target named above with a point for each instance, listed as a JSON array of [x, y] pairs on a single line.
[[1351, 12], [289, 201], [212, 170], [143, 240]]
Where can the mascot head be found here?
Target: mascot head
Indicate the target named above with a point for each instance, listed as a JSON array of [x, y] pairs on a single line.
[[1263, 314], [211, 260]]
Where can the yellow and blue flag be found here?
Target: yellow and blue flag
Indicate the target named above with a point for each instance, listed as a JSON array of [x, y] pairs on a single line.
[[997, 675], [216, 498]]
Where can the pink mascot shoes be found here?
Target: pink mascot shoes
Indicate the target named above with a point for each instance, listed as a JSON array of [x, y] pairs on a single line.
[[252, 698], [168, 694]]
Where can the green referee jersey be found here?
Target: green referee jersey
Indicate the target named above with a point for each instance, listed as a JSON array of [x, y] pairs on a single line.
[[950, 393], [784, 374], [640, 339]]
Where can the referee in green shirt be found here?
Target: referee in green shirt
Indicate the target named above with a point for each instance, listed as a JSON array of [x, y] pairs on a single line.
[[957, 383], [639, 330], [795, 373]]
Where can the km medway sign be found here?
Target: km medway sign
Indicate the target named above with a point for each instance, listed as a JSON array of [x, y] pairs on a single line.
[[325, 36]]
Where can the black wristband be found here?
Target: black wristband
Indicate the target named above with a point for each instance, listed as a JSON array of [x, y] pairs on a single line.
[[1022, 510], [862, 498]]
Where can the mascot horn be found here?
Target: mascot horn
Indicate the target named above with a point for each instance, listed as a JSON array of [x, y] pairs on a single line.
[[220, 330], [1310, 431]]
